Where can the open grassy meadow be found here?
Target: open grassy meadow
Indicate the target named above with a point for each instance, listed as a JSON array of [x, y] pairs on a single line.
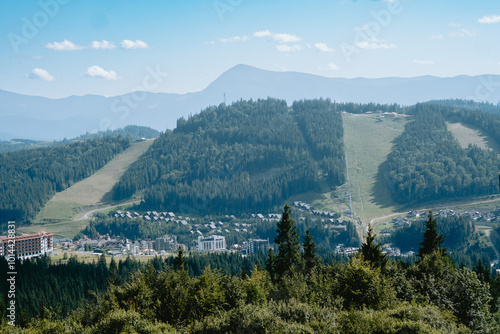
[[468, 135], [368, 141]]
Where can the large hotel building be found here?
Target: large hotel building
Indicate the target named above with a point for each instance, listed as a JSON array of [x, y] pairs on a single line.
[[28, 246]]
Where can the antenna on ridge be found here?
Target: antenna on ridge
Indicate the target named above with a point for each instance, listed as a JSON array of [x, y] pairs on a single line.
[[224, 98]]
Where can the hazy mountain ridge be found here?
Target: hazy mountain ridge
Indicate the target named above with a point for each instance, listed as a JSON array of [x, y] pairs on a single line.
[[36, 117]]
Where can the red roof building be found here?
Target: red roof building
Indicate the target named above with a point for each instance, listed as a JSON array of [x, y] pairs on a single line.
[[27, 246]]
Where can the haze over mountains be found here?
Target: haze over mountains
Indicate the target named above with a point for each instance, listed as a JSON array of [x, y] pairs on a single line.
[[34, 117]]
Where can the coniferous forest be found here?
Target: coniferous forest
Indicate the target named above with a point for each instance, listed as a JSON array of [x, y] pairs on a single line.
[[427, 162], [251, 155], [290, 291], [29, 178]]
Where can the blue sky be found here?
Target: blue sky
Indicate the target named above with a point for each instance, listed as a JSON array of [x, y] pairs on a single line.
[[58, 48]]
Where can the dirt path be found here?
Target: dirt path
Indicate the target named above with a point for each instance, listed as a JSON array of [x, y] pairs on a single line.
[[86, 215]]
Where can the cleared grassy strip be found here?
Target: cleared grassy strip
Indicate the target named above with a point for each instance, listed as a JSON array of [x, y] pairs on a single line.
[[93, 191], [368, 141], [468, 135]]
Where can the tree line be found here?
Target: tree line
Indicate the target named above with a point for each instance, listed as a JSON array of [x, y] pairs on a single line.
[[29, 178]]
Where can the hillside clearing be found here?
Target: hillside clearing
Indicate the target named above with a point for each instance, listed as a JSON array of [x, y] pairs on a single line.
[[468, 135], [368, 141], [93, 191]]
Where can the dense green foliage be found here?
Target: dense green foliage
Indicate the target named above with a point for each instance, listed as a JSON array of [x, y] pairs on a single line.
[[432, 238], [469, 104], [59, 287], [288, 243], [428, 163], [360, 296], [29, 178], [134, 132], [247, 157], [432, 296], [464, 244], [371, 251]]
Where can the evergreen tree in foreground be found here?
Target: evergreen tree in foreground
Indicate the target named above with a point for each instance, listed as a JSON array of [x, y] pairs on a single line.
[[371, 251], [310, 258], [287, 240], [271, 264], [432, 238], [180, 259]]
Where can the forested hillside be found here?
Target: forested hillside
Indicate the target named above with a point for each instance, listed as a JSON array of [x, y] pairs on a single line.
[[251, 155], [135, 132], [469, 104], [428, 163], [295, 293], [461, 239], [29, 178]]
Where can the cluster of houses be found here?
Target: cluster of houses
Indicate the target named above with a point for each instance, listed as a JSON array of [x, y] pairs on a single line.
[[161, 246], [389, 251], [305, 207], [400, 222], [341, 249], [124, 246]]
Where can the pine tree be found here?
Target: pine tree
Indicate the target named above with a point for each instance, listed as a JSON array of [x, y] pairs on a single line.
[[288, 242], [371, 251], [310, 257], [180, 259], [483, 271], [432, 238], [271, 264]]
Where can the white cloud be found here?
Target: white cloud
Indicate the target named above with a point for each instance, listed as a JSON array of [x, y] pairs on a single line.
[[234, 39], [437, 36], [98, 72], [210, 42], [138, 44], [278, 38], [489, 19], [285, 38], [40, 73], [374, 44], [424, 62], [64, 46], [329, 67], [102, 45], [288, 48], [454, 25], [323, 47], [391, 1], [262, 33]]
